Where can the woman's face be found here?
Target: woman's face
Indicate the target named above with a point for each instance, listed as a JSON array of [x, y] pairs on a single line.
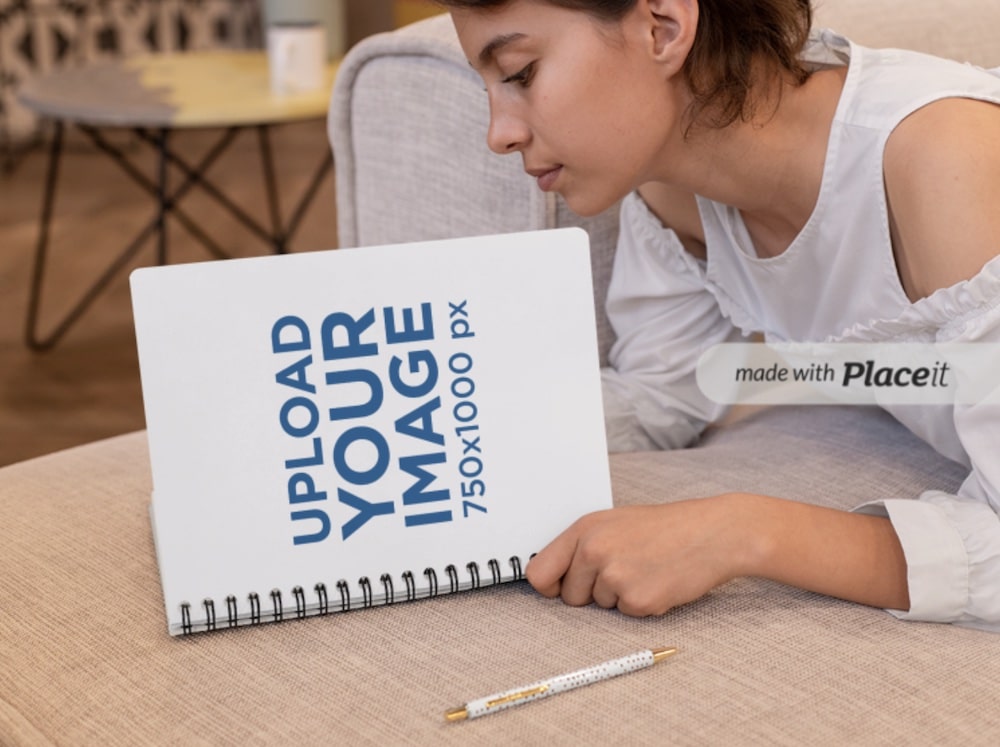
[[583, 102]]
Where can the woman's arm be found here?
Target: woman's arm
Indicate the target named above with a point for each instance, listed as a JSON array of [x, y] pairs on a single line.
[[645, 560], [664, 317]]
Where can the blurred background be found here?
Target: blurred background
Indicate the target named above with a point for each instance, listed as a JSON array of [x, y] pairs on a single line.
[[87, 386]]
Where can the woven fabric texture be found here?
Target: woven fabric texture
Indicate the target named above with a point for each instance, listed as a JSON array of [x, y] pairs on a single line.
[[85, 657]]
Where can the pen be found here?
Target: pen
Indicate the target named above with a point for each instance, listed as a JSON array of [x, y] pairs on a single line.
[[562, 683]]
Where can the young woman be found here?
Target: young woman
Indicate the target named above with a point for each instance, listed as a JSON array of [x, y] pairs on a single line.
[[774, 181]]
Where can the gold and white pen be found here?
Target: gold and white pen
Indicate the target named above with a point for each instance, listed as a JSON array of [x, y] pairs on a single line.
[[562, 683]]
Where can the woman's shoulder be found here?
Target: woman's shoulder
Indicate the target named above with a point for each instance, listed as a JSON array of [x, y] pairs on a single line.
[[678, 211], [884, 85], [942, 178]]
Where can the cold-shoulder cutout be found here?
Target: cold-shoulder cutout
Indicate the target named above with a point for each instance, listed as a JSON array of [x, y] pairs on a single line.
[[942, 181]]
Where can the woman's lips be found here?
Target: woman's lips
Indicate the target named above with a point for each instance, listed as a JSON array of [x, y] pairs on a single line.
[[547, 179]]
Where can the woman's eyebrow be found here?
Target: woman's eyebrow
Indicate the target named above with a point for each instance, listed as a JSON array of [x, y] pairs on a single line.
[[495, 45]]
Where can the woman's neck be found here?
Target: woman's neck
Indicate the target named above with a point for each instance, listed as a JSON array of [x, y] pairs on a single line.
[[770, 168]]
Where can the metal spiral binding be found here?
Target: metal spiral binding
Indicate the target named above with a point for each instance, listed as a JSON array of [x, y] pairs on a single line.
[[366, 591], [452, 577], [320, 604], [345, 595], [495, 570], [411, 587], [515, 563], [388, 591], [473, 569], [209, 613], [432, 580], [254, 608], [278, 607], [300, 602]]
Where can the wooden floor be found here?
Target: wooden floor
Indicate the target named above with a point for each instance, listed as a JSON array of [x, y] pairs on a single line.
[[87, 387]]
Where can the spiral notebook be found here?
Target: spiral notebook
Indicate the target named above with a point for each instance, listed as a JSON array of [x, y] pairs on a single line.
[[337, 430]]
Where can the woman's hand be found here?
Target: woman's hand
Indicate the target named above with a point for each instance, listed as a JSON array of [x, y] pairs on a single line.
[[646, 560]]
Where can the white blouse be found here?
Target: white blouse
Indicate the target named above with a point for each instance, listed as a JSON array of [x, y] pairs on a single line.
[[837, 282]]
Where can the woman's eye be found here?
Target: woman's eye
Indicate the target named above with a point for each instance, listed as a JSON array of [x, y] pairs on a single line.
[[523, 76]]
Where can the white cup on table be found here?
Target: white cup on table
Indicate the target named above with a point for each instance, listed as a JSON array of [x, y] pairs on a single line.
[[296, 57]]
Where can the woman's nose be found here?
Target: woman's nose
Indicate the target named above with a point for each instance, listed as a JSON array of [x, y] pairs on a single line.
[[507, 134]]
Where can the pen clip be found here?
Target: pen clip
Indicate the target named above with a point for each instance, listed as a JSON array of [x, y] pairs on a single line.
[[519, 695]]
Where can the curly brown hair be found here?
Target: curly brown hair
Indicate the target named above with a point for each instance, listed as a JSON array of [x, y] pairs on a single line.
[[732, 37]]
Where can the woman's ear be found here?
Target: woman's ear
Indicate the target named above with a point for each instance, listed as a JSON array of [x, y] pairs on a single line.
[[672, 25]]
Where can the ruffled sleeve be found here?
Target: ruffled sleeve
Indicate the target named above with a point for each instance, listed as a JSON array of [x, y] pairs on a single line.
[[952, 541], [664, 318]]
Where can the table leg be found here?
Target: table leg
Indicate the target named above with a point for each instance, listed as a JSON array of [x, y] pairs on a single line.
[[152, 188], [270, 185], [299, 213], [163, 201], [197, 175], [166, 205], [89, 296], [41, 249], [279, 236], [282, 234]]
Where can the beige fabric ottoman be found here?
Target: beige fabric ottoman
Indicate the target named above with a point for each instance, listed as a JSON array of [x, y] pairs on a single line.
[[85, 658]]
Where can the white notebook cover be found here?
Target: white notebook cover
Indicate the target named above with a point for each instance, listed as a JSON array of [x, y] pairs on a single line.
[[297, 470]]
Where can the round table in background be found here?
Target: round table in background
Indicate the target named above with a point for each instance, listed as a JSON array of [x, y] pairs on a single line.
[[153, 96]]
